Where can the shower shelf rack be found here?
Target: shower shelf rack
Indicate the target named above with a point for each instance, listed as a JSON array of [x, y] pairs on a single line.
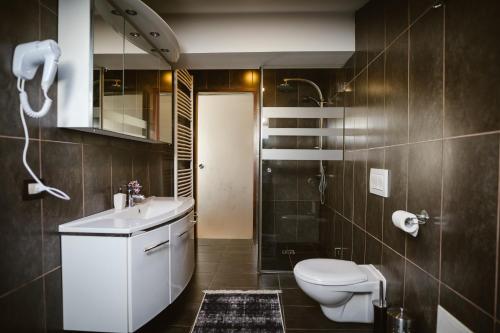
[[301, 113], [183, 125]]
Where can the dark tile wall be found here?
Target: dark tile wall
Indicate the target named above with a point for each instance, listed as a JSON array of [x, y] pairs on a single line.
[[426, 84], [88, 167]]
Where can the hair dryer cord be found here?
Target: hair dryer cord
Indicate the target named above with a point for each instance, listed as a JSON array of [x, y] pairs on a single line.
[[25, 108]]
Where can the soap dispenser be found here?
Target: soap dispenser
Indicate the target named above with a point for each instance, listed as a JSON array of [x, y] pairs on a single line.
[[120, 199]]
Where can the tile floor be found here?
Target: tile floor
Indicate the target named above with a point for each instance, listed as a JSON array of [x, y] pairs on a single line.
[[232, 264]]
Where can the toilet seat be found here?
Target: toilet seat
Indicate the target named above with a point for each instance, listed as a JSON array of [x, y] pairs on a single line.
[[329, 272]]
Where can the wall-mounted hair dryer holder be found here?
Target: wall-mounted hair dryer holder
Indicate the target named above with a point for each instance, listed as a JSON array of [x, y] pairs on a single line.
[[27, 58]]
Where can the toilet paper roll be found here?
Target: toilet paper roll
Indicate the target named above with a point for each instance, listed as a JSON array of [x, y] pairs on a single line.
[[399, 219]]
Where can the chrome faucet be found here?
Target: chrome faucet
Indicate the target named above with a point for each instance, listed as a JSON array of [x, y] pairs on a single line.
[[133, 197]]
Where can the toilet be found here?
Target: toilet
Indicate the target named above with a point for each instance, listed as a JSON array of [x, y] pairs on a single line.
[[343, 289]]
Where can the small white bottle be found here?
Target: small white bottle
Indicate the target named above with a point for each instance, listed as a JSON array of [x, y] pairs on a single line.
[[120, 200]]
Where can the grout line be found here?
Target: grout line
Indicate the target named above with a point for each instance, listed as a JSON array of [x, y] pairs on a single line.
[[469, 301], [495, 307], [383, 205], [404, 276], [40, 172], [367, 180], [386, 47], [19, 287], [443, 115], [430, 140], [111, 177], [83, 180], [408, 147], [36, 139], [47, 8], [44, 302]]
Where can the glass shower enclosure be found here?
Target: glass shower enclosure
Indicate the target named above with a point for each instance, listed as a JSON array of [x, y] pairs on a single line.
[[301, 134]]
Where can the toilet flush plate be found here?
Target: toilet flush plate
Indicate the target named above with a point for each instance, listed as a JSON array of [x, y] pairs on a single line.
[[379, 182]]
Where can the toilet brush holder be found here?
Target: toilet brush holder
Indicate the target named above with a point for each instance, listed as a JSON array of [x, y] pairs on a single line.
[[379, 316], [380, 311], [398, 321]]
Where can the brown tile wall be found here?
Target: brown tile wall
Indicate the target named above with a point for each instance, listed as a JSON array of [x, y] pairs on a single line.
[[88, 167], [424, 104]]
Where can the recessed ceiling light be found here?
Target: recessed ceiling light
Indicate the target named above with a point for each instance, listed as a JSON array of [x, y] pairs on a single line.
[[134, 34], [130, 12], [154, 50], [116, 12], [164, 50], [155, 34]]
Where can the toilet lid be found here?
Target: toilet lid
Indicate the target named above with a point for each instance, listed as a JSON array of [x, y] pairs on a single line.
[[331, 272]]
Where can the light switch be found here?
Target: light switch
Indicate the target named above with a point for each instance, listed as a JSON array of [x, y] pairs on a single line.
[[379, 182]]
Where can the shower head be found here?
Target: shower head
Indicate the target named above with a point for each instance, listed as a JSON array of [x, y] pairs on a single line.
[[286, 87]]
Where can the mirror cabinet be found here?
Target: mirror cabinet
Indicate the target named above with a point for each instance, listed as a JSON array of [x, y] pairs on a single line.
[[113, 80]]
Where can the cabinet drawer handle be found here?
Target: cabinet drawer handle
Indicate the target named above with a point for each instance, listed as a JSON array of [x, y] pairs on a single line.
[[156, 246], [183, 233]]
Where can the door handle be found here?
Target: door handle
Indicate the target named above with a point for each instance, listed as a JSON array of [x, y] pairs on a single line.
[[201, 166], [151, 248]]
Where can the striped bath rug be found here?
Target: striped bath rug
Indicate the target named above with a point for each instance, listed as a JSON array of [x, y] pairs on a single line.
[[225, 311]]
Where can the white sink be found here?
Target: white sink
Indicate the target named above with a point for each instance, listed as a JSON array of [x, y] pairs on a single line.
[[144, 215], [149, 208]]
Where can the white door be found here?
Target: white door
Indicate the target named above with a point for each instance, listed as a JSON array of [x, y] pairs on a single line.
[[225, 165]]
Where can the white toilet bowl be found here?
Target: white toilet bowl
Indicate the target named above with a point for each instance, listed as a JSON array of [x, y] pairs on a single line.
[[343, 289]]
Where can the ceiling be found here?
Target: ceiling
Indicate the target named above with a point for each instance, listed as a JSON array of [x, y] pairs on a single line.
[[264, 59], [253, 6]]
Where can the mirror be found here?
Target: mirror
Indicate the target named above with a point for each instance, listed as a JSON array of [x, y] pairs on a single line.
[[132, 84]]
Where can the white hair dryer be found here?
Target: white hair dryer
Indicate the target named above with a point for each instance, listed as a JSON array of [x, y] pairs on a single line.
[[27, 58]]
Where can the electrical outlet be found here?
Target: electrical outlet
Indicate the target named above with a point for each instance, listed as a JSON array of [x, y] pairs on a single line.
[[30, 190], [337, 252]]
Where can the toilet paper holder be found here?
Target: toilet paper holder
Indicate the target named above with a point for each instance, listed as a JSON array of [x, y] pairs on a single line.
[[421, 218]]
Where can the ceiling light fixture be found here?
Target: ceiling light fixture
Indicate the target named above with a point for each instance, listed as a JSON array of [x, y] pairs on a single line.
[[164, 50], [130, 12], [135, 34], [438, 4], [154, 34], [116, 12]]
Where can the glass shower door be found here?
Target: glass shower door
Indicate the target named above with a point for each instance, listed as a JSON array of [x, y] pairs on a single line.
[[290, 178], [291, 223]]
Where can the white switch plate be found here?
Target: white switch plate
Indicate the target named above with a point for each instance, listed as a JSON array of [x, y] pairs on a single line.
[[379, 182]]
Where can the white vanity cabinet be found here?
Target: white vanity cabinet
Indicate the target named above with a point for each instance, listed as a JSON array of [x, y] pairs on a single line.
[[148, 275], [182, 254], [116, 275]]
